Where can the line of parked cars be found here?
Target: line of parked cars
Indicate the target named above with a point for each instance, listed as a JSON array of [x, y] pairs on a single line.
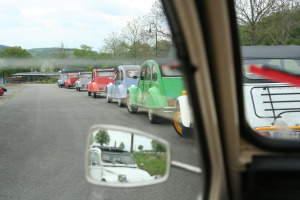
[[154, 86]]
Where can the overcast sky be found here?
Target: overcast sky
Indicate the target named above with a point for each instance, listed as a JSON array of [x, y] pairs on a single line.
[[48, 23]]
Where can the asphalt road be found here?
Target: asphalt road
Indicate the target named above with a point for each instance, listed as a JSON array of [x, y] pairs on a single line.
[[43, 131]]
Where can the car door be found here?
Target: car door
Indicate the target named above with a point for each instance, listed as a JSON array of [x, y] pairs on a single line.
[[143, 84], [118, 82], [95, 166]]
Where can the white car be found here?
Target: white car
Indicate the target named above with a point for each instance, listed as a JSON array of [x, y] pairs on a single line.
[[114, 165], [83, 79]]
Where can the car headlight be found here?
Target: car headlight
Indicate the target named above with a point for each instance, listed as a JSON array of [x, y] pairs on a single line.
[[122, 178]]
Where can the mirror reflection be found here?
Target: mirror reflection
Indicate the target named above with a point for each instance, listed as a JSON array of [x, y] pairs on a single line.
[[122, 157]]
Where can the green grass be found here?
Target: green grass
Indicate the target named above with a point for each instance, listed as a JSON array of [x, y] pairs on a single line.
[[154, 163]]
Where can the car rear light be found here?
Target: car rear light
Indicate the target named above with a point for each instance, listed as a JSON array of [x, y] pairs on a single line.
[[266, 134], [102, 88], [171, 102]]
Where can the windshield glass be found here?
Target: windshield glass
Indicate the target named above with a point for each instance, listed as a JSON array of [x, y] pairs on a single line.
[[106, 74], [86, 75], [131, 73], [44, 121], [170, 70], [288, 65], [117, 158]]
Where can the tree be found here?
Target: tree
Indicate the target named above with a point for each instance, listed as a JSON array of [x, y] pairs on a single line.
[[102, 137], [60, 52], [250, 13], [157, 147], [85, 51], [122, 145], [140, 147], [15, 52], [278, 25], [47, 67], [115, 46], [134, 35]]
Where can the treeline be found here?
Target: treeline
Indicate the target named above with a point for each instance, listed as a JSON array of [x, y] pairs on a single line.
[[268, 22]]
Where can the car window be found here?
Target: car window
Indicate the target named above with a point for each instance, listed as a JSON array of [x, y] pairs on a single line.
[[131, 73], [103, 74], [271, 106], [46, 123], [86, 75], [148, 73]]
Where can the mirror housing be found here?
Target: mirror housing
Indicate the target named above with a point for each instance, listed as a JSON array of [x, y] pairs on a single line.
[[118, 167]]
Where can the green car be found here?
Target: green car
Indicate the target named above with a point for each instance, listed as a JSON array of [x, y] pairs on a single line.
[[157, 90]]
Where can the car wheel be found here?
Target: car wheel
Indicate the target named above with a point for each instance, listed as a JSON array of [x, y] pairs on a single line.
[[181, 130], [78, 89], [89, 93], [177, 123], [121, 102], [94, 95], [153, 118], [131, 108], [108, 99]]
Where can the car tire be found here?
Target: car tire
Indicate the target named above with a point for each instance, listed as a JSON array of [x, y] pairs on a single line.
[[181, 130], [78, 89], [131, 108], [121, 102], [89, 93], [108, 99], [153, 118], [94, 95]]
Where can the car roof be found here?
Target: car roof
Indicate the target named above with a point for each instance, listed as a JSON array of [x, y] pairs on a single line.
[[128, 67], [110, 149], [104, 70], [251, 52]]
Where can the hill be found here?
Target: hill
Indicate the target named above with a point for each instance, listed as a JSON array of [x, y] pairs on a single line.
[[3, 47], [47, 52]]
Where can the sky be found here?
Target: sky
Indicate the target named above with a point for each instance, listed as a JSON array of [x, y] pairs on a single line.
[[49, 23], [119, 137]]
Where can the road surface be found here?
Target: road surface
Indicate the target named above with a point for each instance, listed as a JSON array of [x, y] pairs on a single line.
[[42, 141]]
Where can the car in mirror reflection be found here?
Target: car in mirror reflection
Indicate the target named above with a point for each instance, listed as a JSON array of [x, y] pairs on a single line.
[[111, 164], [123, 157]]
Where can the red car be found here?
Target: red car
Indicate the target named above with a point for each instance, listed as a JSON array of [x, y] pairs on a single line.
[[71, 79], [100, 79], [1, 92]]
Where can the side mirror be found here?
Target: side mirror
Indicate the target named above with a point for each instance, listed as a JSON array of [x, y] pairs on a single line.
[[123, 150]]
